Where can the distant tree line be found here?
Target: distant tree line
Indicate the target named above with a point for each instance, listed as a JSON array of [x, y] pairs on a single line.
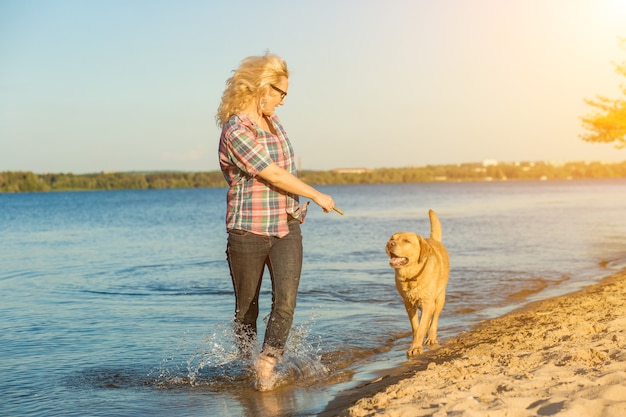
[[12, 181], [469, 172], [29, 182]]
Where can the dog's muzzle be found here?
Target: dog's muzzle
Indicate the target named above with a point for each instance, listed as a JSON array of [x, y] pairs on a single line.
[[394, 260]]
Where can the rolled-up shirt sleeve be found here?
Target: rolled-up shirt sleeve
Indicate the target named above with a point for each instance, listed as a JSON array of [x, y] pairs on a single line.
[[244, 151]]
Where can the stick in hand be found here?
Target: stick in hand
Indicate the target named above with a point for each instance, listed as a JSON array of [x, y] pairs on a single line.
[[338, 210]]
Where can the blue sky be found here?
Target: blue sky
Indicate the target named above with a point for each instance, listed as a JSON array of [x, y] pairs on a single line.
[[87, 86]]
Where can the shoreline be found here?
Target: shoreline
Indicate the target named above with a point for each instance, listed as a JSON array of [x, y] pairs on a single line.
[[29, 181], [563, 356]]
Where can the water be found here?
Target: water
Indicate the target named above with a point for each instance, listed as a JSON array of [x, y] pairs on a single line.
[[119, 303]]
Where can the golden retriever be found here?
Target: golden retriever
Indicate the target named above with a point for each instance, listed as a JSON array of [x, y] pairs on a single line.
[[422, 267]]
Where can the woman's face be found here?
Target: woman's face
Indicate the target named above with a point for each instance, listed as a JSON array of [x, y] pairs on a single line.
[[275, 96]]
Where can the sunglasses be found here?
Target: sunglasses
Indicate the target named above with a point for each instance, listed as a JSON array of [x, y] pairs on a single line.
[[283, 94]]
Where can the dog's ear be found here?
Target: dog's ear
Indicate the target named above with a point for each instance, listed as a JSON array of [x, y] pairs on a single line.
[[425, 249]]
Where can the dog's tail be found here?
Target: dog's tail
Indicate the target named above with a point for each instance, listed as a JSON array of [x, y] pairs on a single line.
[[435, 226]]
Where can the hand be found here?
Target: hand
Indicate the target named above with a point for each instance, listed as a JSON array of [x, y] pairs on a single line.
[[325, 202]]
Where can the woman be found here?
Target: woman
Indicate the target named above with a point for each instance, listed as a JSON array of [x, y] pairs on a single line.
[[263, 213]]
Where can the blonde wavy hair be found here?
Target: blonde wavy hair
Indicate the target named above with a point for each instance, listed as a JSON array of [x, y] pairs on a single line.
[[250, 82]]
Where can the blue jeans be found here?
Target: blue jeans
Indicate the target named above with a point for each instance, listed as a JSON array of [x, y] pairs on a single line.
[[247, 255]]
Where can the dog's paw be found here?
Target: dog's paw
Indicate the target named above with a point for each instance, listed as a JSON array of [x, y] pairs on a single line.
[[431, 341], [414, 351]]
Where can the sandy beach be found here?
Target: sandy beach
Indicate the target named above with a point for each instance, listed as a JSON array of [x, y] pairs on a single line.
[[565, 356]]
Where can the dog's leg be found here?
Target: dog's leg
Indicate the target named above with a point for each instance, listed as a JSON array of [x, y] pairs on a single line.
[[416, 344], [420, 327], [434, 325]]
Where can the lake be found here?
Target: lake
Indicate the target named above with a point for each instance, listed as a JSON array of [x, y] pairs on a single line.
[[119, 303]]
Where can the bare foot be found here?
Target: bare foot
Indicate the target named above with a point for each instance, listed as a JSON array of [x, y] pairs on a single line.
[[265, 375]]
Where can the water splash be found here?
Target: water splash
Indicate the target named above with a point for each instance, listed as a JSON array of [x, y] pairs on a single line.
[[219, 360], [218, 363], [302, 358]]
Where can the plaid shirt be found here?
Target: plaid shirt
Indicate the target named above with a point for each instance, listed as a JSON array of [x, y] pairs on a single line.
[[245, 150]]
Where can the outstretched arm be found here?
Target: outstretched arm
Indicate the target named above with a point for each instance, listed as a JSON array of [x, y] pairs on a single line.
[[284, 180]]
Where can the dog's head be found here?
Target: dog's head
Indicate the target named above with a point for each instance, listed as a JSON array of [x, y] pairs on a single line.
[[406, 249]]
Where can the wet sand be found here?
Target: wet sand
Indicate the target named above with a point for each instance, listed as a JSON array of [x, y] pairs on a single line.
[[565, 356]]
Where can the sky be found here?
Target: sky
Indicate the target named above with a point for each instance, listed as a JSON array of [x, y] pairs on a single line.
[[116, 85]]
